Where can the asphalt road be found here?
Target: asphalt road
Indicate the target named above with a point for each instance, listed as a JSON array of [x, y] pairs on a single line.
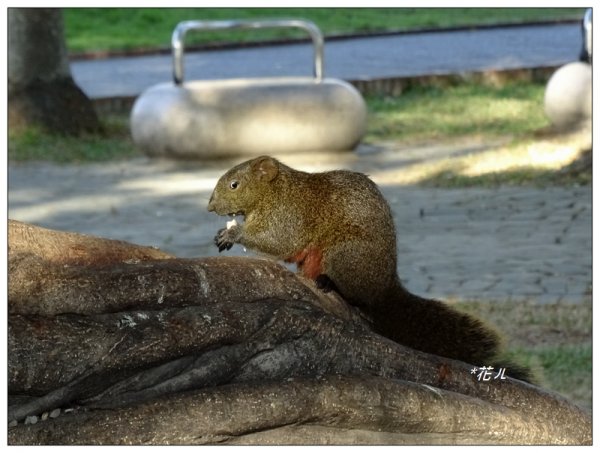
[[411, 54]]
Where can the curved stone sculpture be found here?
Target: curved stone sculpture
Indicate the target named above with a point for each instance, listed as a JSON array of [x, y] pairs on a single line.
[[568, 98], [218, 118]]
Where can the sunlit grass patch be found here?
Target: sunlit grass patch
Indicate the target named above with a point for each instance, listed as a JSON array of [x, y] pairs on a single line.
[[505, 123], [538, 162], [432, 113]]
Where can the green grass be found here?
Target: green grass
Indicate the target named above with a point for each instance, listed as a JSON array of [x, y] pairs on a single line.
[[554, 340], [565, 369], [104, 29], [35, 145], [568, 368], [423, 114]]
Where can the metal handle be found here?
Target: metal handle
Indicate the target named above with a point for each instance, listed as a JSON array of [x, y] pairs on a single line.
[[587, 27], [183, 27]]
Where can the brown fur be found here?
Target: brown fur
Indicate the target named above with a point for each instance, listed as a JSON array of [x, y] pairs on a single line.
[[337, 226]]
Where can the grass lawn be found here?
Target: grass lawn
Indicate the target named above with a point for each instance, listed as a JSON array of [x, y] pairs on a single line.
[[467, 109], [555, 340], [104, 29], [508, 121], [35, 145]]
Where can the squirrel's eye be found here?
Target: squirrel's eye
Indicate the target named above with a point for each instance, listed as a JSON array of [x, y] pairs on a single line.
[[234, 185]]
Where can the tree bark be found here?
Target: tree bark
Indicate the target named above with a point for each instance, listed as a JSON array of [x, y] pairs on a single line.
[[298, 411], [41, 90], [152, 349]]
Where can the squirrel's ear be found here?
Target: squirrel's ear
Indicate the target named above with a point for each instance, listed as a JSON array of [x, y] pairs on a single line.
[[265, 167]]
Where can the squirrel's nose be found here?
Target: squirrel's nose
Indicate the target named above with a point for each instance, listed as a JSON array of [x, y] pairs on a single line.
[[211, 203]]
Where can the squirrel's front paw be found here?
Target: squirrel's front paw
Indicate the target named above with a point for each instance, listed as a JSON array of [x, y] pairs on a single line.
[[225, 239]]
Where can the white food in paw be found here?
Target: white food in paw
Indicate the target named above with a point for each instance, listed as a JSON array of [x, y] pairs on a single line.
[[231, 224]]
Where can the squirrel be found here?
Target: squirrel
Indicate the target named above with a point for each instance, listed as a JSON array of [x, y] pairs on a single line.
[[338, 229]]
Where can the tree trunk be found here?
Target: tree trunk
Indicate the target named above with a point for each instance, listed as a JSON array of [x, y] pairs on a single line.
[[41, 90], [152, 349]]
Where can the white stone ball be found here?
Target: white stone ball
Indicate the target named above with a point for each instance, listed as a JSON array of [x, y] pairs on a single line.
[[568, 97]]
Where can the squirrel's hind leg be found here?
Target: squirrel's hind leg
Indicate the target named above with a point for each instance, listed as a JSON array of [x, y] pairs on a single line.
[[325, 284], [349, 267]]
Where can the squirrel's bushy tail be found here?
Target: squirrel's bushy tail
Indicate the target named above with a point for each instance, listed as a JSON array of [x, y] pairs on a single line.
[[437, 328]]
